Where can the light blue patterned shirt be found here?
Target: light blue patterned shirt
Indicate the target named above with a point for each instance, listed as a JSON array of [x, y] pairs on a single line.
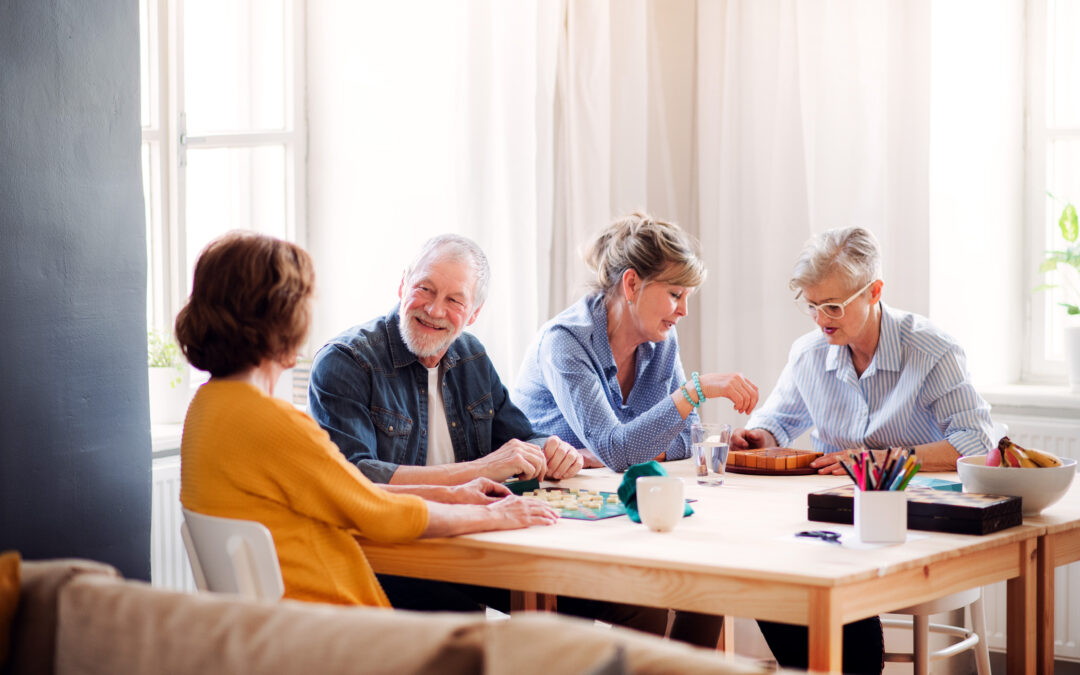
[[568, 387], [916, 390]]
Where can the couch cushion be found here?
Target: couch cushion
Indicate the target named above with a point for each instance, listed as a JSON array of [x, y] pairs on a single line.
[[109, 626], [34, 632], [535, 643], [9, 599]]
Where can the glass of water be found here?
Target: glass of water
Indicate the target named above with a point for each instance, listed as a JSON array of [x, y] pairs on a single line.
[[709, 451]]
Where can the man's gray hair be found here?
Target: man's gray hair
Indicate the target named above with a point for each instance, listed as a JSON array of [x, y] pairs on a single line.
[[456, 248], [850, 251]]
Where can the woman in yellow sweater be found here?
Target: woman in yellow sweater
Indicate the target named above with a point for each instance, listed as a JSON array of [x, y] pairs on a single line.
[[247, 455]]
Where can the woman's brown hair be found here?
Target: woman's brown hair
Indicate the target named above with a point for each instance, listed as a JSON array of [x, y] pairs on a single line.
[[656, 250], [250, 301]]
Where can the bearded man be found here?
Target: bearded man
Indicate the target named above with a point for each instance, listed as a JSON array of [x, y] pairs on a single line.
[[410, 398]]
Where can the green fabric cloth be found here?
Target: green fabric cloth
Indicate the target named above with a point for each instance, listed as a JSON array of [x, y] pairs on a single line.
[[628, 487]]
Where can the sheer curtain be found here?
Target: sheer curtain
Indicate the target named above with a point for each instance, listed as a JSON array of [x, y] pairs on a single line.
[[810, 115], [530, 125]]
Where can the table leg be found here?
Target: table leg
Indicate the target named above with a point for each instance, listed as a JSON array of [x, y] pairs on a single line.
[[726, 643], [527, 601], [1044, 593], [825, 633], [1021, 610]]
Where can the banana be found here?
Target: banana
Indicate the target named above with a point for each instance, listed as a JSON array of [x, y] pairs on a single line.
[[1015, 456], [1042, 458]]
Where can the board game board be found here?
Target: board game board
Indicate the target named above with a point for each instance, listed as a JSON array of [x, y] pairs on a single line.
[[772, 461], [580, 504]]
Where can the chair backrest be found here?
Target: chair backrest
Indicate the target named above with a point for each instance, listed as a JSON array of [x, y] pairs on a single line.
[[232, 556]]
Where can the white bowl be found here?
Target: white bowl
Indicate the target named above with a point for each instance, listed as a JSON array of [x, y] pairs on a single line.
[[1038, 487]]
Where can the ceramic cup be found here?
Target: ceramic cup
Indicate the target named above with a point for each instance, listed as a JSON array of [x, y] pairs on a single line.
[[881, 516], [660, 502]]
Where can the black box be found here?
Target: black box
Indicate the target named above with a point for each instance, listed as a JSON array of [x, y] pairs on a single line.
[[928, 509]]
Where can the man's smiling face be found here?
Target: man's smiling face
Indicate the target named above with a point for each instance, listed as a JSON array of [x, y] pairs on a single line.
[[436, 306]]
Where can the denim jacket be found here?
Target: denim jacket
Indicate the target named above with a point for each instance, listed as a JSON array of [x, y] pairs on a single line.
[[369, 392]]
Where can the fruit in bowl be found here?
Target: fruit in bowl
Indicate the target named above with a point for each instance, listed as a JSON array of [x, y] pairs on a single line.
[[1010, 454], [1037, 486]]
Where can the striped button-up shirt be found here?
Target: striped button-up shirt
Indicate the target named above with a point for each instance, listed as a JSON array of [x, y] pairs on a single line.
[[916, 390], [568, 387]]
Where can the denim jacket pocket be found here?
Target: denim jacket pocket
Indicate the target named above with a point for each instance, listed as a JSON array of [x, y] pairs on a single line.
[[482, 412], [394, 428]]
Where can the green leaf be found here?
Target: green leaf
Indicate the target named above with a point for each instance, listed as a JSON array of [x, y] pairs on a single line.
[[1067, 223], [1048, 265], [1070, 309], [1043, 287]]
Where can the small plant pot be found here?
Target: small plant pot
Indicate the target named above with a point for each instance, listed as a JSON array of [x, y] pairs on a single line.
[[170, 393]]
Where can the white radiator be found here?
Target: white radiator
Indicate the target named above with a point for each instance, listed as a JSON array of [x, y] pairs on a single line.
[[1061, 437], [168, 561]]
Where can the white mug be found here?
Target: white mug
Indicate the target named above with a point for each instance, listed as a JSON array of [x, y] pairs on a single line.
[[660, 502]]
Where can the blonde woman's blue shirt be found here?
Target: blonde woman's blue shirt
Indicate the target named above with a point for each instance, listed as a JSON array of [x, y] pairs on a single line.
[[916, 390], [568, 387]]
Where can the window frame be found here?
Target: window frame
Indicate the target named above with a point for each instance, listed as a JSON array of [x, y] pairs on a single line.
[[1037, 368], [167, 232]]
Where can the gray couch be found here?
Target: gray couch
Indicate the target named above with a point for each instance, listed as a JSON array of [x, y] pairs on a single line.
[[80, 617]]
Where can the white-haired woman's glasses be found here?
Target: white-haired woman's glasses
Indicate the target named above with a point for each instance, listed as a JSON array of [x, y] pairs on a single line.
[[833, 310]]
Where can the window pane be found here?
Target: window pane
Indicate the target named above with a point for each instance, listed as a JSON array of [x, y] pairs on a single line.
[[155, 278], [1063, 181], [1063, 55], [234, 188], [235, 65]]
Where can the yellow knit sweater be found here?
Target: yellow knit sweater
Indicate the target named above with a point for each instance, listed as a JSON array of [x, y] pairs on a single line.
[[247, 455]]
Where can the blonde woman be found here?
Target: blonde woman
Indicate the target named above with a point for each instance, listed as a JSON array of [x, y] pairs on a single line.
[[605, 374]]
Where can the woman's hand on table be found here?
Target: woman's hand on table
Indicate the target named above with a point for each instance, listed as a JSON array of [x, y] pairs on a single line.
[[513, 512], [742, 392], [477, 491], [563, 460]]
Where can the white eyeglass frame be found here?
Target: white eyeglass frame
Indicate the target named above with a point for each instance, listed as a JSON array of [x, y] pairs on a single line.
[[810, 309]]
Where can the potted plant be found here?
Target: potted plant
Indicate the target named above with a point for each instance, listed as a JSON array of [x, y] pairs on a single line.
[[1065, 263], [169, 388]]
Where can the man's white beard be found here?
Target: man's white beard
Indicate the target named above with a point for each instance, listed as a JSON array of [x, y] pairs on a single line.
[[424, 346]]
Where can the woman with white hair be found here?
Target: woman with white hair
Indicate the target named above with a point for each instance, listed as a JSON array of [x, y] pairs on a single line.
[[868, 376]]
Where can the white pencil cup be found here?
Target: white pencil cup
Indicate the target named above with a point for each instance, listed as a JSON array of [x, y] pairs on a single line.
[[881, 516]]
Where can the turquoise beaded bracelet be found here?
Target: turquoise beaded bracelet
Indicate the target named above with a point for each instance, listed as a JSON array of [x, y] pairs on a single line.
[[697, 384]]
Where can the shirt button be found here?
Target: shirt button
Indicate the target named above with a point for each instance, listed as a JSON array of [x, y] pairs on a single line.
[[453, 424], [391, 428], [490, 411]]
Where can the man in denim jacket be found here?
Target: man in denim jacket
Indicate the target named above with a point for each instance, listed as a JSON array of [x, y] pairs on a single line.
[[409, 398]]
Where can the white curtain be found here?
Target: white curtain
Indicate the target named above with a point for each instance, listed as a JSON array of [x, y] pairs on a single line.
[[530, 125], [810, 115]]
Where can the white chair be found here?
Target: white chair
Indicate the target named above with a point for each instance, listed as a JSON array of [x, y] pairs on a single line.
[[232, 556], [920, 655]]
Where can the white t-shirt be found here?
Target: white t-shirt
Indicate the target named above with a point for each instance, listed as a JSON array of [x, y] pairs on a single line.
[[440, 450]]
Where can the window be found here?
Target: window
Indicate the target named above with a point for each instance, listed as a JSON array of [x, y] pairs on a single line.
[[1053, 169], [223, 131]]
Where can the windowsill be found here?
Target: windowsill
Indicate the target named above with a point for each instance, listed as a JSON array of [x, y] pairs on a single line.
[[165, 439], [1043, 400]]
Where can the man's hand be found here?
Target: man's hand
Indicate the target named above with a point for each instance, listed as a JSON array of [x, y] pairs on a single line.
[[830, 463], [751, 439], [514, 458], [478, 491], [563, 460]]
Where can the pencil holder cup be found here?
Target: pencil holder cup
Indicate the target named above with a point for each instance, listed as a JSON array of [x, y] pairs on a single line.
[[881, 516]]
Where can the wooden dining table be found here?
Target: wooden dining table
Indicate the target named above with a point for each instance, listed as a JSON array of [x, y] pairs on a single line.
[[738, 555]]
